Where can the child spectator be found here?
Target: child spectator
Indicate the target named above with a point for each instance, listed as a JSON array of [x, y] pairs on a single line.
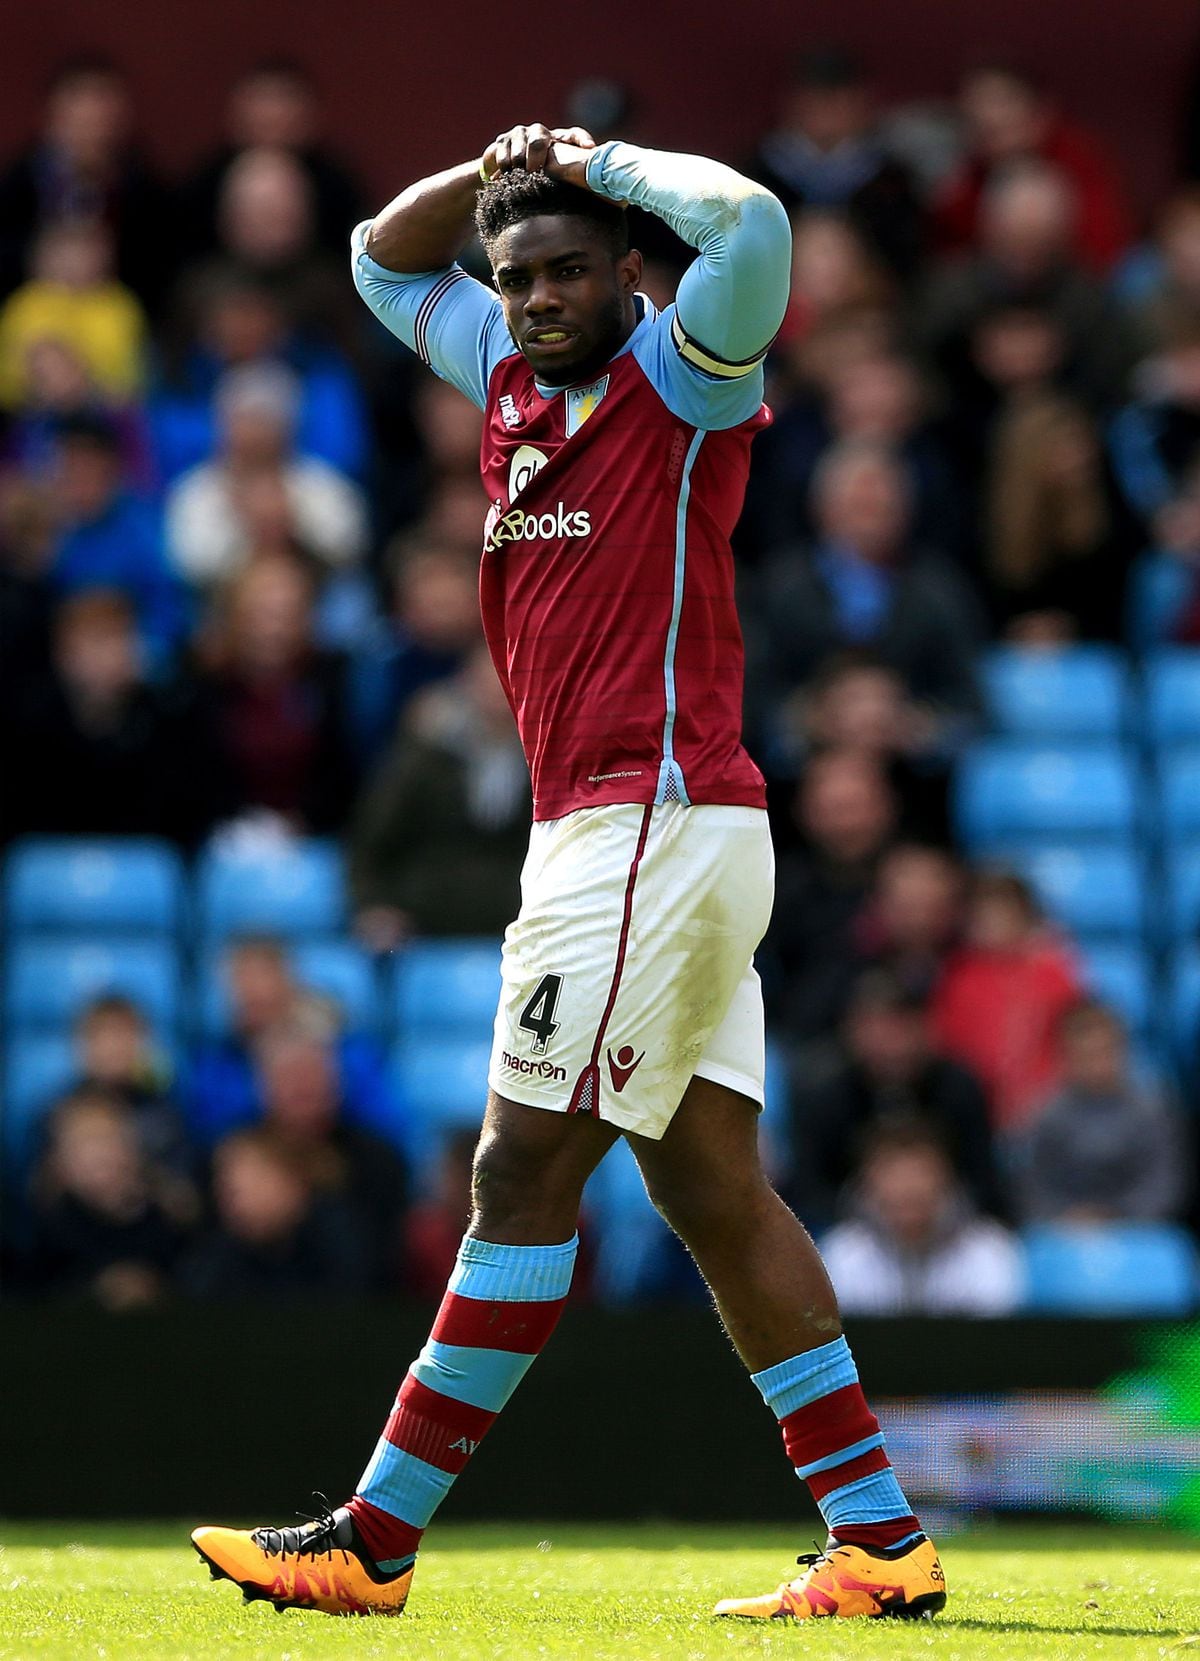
[[274, 1236], [913, 1244], [883, 1068], [73, 297], [1104, 1148], [104, 1222], [1000, 1003], [440, 835]]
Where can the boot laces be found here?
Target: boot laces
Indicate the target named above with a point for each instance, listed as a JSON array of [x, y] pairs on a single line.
[[810, 1559], [312, 1537]]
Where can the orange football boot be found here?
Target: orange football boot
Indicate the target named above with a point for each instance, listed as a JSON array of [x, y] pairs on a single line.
[[847, 1581], [315, 1566]]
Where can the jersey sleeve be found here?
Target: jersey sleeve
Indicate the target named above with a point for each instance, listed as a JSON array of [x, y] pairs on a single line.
[[704, 354], [452, 322]]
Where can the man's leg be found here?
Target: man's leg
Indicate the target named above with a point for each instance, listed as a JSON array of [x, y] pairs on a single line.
[[505, 1296], [777, 1304], [504, 1299]]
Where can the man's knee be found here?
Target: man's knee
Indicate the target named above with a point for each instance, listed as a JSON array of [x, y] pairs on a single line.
[[529, 1172]]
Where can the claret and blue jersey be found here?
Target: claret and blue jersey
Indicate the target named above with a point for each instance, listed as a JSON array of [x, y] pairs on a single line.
[[607, 581]]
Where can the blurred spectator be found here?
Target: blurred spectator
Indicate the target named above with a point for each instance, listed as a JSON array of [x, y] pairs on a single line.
[[876, 398], [845, 812], [263, 995], [108, 537], [440, 835], [1054, 560], [913, 1244], [274, 702], [1155, 440], [102, 1217], [883, 1068], [98, 748], [59, 387], [433, 626], [827, 153], [227, 321], [303, 1108], [211, 509], [1163, 289], [1024, 260], [1011, 118], [1104, 1148], [1001, 1001], [434, 1227], [275, 105], [1164, 582], [913, 917], [274, 1234], [267, 229], [82, 169], [116, 1053], [841, 303], [856, 702], [72, 297], [864, 584], [27, 532]]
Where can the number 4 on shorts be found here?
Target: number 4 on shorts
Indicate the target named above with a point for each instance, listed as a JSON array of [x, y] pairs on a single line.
[[538, 1015]]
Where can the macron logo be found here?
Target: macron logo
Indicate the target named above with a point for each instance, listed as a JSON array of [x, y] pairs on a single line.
[[623, 1066], [508, 409]]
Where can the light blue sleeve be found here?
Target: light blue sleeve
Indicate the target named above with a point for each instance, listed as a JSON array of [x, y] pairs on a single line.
[[452, 322], [704, 354]]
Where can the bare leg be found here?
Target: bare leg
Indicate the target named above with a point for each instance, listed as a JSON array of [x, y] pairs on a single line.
[[706, 1178], [530, 1168]]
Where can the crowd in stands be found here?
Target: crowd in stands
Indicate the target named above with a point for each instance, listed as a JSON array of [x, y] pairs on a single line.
[[239, 531]]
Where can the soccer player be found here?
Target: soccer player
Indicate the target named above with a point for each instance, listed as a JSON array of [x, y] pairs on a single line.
[[615, 452]]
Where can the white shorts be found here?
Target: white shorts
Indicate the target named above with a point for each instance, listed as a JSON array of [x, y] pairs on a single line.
[[630, 967]]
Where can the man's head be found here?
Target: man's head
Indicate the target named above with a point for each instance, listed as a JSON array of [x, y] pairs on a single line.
[[261, 988], [1027, 220], [862, 500], [87, 112], [907, 1183], [845, 806], [1005, 111], [1095, 1050], [886, 1029], [257, 405], [96, 648], [88, 469], [564, 269], [918, 899], [273, 103], [114, 1041], [830, 101], [297, 1074], [266, 209]]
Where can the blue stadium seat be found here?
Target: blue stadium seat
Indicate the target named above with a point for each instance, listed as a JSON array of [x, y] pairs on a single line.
[[1121, 976], [443, 1083], [1112, 1269], [1179, 770], [37, 1068], [115, 885], [1091, 891], [1183, 1002], [287, 889], [48, 981], [1078, 692], [1172, 682], [336, 968], [1181, 907], [1009, 792], [444, 986]]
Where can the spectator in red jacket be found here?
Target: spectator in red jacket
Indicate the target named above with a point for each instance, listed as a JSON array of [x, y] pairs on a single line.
[[1000, 1004], [1010, 118]]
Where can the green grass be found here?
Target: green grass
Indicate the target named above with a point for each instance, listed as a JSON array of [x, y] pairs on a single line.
[[523, 1593]]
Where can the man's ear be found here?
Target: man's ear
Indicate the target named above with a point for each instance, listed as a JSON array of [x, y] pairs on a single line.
[[629, 270]]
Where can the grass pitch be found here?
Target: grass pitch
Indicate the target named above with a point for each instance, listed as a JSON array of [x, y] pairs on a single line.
[[72, 1592]]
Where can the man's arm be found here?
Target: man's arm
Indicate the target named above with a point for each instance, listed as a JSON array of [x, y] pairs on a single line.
[[706, 360]]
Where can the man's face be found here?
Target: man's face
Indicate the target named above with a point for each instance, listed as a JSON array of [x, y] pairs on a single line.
[[568, 300]]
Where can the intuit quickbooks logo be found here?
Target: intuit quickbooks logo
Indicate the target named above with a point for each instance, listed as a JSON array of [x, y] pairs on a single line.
[[540, 1069], [518, 526]]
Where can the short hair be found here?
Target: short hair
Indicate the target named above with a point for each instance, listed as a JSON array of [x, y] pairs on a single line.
[[90, 428], [112, 1003], [83, 66], [515, 196], [1090, 1012]]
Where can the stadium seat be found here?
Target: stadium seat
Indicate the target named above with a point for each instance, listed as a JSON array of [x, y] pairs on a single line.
[[290, 889], [1181, 908], [1121, 976], [444, 986], [1183, 1003], [338, 969], [1022, 793], [1179, 770], [1172, 696], [115, 885], [37, 1068], [443, 1084], [1092, 892], [1077, 692], [1112, 1269], [49, 981]]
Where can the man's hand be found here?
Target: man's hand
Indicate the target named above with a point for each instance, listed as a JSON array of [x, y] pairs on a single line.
[[561, 152]]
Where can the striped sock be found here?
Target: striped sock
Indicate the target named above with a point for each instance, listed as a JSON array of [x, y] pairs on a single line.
[[502, 1304], [835, 1443]]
